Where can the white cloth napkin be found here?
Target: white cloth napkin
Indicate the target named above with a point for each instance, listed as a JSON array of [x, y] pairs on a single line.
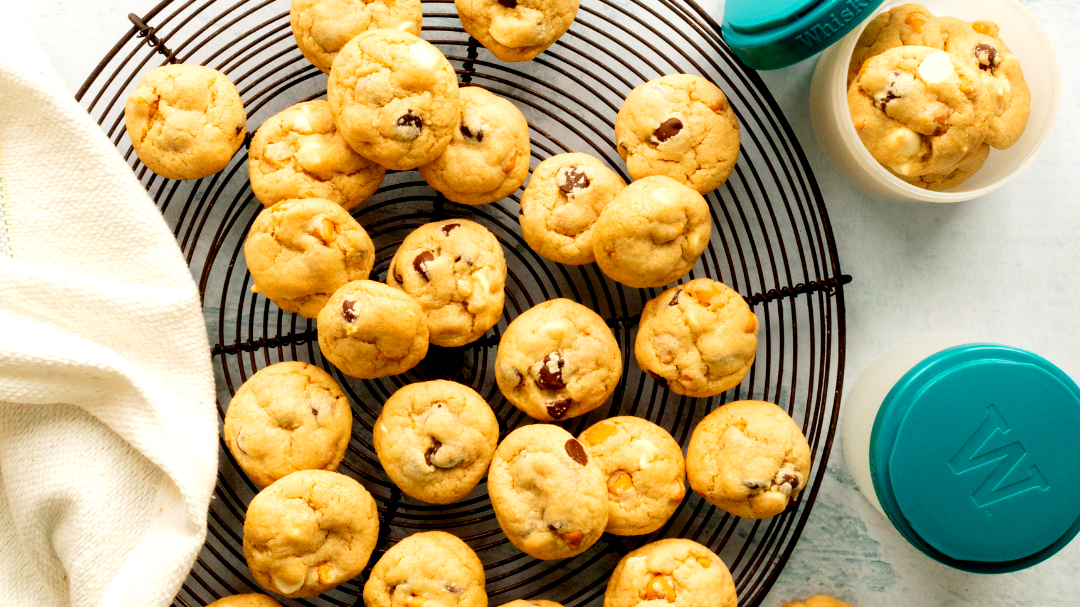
[[108, 430]]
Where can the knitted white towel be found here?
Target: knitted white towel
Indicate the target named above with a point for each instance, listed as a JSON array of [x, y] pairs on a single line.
[[108, 431]]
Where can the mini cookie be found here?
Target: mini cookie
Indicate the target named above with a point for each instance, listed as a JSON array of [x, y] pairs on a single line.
[[919, 110], [680, 126], [245, 600], [906, 25], [549, 496], [558, 360], [394, 98], [185, 121], [309, 532], [287, 417], [645, 470], [652, 233], [699, 338], [301, 251], [561, 204], [954, 175], [456, 271], [430, 568], [999, 70], [488, 156], [516, 30], [369, 330], [676, 572], [748, 458], [322, 27], [435, 440], [818, 601], [299, 154]]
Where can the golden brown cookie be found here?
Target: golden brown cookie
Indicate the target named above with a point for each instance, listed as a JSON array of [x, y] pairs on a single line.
[[435, 440], [675, 572], [954, 175], [645, 471], [370, 330], [298, 153], [748, 458], [907, 25], [309, 532], [698, 338], [549, 496], [322, 27], [516, 30], [287, 417], [818, 601], [300, 251], [245, 600], [185, 121], [430, 568]]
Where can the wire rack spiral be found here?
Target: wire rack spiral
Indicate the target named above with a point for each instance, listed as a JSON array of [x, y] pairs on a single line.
[[771, 242]]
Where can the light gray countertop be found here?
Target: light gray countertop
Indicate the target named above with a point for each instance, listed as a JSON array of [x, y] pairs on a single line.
[[1001, 269]]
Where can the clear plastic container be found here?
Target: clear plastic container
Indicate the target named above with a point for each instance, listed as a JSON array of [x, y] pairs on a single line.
[[836, 135]]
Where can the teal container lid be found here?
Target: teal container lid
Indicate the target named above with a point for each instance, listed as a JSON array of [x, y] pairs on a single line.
[[974, 456], [770, 34]]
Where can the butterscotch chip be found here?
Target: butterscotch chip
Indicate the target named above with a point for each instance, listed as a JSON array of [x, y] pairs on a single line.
[[427, 570], [748, 458], [676, 572]]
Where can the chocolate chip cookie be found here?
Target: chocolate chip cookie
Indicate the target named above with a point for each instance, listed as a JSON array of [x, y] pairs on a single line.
[[300, 251], [681, 126], [516, 30], [562, 203], [488, 156], [298, 153], [309, 532], [245, 600], [549, 496], [456, 271], [185, 121], [435, 440], [677, 572], [430, 568], [645, 470], [905, 25], [748, 458], [322, 27], [287, 417], [652, 233], [818, 601], [919, 110], [558, 360], [394, 98], [370, 330], [999, 70], [699, 338]]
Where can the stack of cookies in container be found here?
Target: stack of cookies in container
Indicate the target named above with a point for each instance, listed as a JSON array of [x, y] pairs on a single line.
[[394, 103]]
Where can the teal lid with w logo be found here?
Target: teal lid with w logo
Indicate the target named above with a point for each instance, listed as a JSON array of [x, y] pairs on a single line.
[[770, 34], [975, 458]]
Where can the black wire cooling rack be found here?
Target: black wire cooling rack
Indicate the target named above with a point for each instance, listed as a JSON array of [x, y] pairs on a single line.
[[771, 241]]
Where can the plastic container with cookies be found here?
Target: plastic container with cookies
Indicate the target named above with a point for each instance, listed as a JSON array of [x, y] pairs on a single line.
[[938, 103]]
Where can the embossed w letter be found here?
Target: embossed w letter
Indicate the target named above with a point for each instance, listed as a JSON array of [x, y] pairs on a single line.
[[975, 454]]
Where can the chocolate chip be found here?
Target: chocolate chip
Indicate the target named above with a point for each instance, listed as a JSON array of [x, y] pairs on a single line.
[[987, 56], [558, 408], [397, 275], [239, 128], [409, 126], [668, 129], [675, 298], [478, 135], [432, 450], [513, 376], [446, 229], [240, 441], [755, 485], [348, 310], [550, 374], [571, 179], [508, 3], [420, 263], [452, 589], [576, 452], [790, 480], [659, 380], [886, 99]]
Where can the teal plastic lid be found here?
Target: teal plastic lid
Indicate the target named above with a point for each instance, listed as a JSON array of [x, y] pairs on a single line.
[[974, 457], [770, 34]]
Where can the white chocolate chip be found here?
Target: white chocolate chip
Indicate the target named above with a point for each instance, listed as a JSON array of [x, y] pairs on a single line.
[[554, 331], [906, 141], [424, 54], [322, 404], [647, 450], [284, 587], [936, 68], [302, 121], [479, 290]]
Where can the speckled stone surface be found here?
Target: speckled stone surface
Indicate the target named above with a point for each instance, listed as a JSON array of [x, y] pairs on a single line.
[[1002, 269]]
